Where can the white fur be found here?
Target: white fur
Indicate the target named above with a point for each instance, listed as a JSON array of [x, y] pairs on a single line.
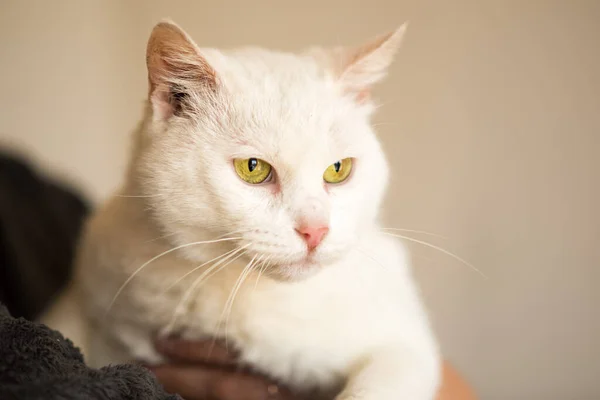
[[350, 315]]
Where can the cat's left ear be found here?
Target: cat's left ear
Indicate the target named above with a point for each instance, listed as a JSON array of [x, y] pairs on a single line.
[[176, 69], [359, 68]]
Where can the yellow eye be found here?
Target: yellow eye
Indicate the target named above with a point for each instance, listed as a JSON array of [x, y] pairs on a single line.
[[252, 170], [338, 172]]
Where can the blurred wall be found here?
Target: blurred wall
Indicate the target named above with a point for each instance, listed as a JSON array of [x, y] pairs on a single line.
[[490, 121]]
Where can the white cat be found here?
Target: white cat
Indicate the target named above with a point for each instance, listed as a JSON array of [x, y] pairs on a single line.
[[258, 171]]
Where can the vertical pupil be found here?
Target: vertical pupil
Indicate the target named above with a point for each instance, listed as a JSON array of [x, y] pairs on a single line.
[[252, 163], [337, 166]]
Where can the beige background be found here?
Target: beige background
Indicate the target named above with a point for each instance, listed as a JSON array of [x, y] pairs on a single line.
[[490, 122]]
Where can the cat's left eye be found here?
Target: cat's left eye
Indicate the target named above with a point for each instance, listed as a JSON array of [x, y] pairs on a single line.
[[338, 172], [253, 170]]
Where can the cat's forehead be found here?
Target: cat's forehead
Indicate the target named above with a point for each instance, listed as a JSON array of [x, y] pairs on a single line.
[[287, 101], [285, 81]]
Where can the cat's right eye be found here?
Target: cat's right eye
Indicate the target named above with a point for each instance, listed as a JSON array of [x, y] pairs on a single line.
[[253, 170], [338, 172]]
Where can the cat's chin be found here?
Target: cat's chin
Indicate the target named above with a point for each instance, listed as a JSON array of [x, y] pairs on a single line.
[[296, 271]]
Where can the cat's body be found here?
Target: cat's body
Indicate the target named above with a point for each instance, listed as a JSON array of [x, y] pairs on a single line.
[[343, 311]]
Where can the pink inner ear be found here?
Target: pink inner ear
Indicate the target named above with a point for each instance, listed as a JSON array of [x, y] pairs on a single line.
[[361, 67], [159, 97], [363, 96]]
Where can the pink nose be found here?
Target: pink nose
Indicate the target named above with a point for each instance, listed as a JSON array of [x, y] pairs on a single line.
[[313, 235]]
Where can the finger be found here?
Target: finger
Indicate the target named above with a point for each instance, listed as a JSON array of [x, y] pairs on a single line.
[[242, 386], [200, 383], [191, 383], [208, 351]]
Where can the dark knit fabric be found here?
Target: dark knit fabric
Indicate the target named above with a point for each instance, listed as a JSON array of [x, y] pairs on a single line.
[[37, 363], [40, 221]]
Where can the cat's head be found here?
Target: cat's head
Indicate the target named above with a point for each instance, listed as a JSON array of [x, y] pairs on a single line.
[[273, 148]]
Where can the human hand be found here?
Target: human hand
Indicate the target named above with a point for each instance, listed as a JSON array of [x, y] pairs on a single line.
[[198, 372], [206, 370]]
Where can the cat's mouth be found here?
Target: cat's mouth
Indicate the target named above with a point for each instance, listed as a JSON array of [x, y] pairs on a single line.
[[291, 265], [309, 261]]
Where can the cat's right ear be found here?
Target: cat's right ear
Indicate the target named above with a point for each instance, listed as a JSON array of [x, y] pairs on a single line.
[[176, 68], [357, 69]]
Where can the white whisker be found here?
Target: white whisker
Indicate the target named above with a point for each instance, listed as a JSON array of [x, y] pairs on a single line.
[[220, 321], [438, 249], [138, 196], [415, 231], [161, 237], [262, 268], [239, 231], [383, 123], [362, 251], [198, 282], [137, 271], [225, 255], [230, 300]]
